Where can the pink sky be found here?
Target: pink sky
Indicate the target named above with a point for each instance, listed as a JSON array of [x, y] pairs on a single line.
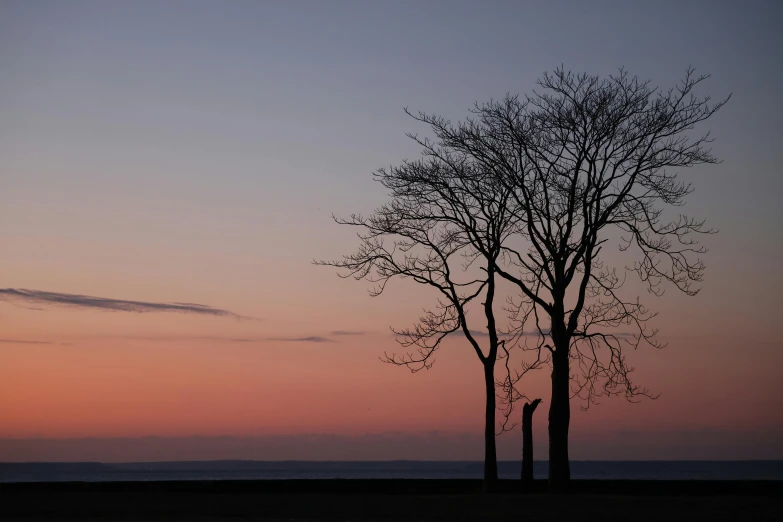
[[116, 374]]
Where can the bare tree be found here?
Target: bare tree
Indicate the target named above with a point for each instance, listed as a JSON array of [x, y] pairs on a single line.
[[443, 228], [588, 161]]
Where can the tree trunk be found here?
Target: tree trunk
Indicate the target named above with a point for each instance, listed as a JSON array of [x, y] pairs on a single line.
[[559, 419], [490, 452], [527, 441]]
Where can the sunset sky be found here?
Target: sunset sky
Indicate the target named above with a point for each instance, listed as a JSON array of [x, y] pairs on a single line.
[[194, 152]]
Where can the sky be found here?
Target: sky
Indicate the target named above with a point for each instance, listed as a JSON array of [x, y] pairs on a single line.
[[194, 152]]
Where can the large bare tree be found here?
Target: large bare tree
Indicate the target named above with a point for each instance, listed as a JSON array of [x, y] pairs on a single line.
[[588, 162], [443, 228]]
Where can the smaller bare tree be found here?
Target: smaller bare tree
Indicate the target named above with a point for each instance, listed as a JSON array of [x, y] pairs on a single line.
[[527, 440], [443, 228]]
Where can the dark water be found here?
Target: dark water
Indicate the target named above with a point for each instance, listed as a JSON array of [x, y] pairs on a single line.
[[260, 470]]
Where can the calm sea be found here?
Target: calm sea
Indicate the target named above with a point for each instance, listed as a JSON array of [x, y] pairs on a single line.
[[260, 470]]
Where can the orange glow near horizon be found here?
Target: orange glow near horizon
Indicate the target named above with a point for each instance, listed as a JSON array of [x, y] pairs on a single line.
[[229, 377]]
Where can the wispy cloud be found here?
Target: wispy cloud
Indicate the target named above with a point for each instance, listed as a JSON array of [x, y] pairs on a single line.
[[474, 333], [346, 332], [115, 305], [478, 333], [222, 339], [309, 339], [483, 333], [18, 341], [534, 333], [302, 339]]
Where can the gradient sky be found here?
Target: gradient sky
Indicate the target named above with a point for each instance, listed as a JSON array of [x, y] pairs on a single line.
[[193, 152]]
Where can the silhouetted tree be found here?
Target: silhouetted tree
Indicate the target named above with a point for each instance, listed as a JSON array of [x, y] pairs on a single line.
[[527, 440], [587, 161], [443, 228]]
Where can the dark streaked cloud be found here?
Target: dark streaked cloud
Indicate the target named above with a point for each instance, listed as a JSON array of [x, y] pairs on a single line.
[[301, 339], [224, 339], [479, 333], [17, 341], [482, 333], [474, 333], [534, 333], [304, 339], [308, 339], [115, 305]]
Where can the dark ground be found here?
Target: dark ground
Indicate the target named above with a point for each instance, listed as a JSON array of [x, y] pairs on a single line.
[[390, 500]]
